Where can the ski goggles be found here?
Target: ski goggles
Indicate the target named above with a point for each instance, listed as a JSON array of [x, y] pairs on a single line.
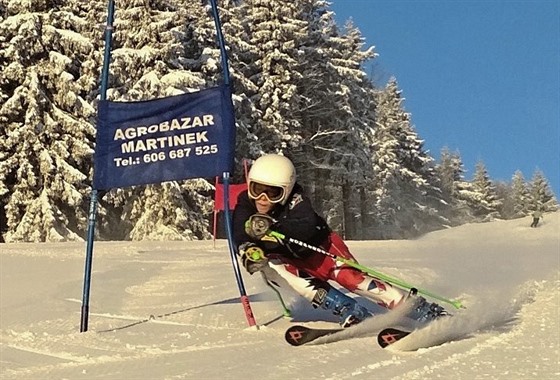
[[274, 194]]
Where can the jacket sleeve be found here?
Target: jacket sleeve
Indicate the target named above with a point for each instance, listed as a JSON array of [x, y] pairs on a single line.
[[243, 210]]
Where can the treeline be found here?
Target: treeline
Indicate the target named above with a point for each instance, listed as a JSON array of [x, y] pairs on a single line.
[[300, 89]]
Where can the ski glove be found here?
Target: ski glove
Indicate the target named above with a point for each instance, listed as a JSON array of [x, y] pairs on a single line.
[[258, 225], [252, 257]]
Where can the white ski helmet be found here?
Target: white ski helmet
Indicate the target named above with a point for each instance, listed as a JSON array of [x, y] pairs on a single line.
[[272, 170]]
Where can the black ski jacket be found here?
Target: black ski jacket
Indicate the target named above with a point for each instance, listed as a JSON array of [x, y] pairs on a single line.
[[296, 219]]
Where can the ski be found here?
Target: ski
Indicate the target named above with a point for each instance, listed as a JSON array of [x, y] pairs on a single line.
[[391, 335], [299, 335]]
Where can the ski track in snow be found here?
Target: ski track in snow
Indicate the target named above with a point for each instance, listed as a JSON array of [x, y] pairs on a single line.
[[478, 317], [529, 311], [510, 321]]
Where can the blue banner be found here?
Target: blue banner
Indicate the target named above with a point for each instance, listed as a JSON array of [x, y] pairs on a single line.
[[174, 138]]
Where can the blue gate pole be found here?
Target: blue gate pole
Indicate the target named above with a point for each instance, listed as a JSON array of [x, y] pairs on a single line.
[[232, 249], [94, 194], [226, 175]]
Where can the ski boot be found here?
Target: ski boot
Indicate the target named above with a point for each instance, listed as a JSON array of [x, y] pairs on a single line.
[[424, 311], [346, 308]]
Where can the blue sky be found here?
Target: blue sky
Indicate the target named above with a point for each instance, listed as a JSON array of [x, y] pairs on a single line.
[[481, 77]]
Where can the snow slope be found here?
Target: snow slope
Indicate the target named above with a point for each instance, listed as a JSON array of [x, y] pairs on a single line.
[[506, 273]]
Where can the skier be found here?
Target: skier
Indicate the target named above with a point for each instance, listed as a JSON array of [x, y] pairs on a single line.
[[274, 201], [537, 215]]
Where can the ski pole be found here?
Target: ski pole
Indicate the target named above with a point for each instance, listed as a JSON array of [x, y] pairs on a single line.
[[285, 312], [392, 280]]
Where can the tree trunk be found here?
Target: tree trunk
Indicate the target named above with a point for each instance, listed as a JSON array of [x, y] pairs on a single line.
[[347, 212]]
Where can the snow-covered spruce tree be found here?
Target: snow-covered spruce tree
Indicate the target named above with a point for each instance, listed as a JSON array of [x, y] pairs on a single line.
[[313, 104], [503, 193], [154, 55], [385, 167], [516, 201], [261, 41], [246, 67], [269, 63], [46, 135], [273, 29], [242, 57], [407, 198], [481, 196], [174, 211], [450, 172], [148, 56], [333, 111], [355, 103], [541, 196]]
